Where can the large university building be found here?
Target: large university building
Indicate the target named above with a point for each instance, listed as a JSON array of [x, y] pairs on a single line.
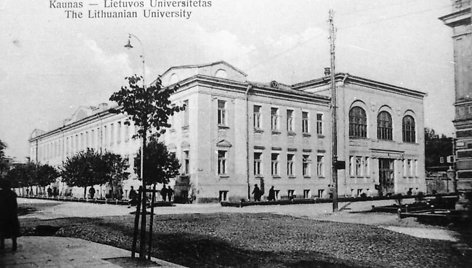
[[460, 22], [235, 133]]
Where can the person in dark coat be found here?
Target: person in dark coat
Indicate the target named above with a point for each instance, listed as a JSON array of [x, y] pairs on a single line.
[[9, 224], [257, 193], [164, 193], [49, 192], [133, 197], [170, 192], [92, 192], [271, 196]]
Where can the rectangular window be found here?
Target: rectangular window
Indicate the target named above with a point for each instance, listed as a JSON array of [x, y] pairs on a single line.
[[127, 135], [320, 193], [351, 166], [409, 168], [290, 127], [290, 163], [415, 168], [257, 163], [82, 143], [76, 144], [306, 165], [222, 162], [275, 164], [105, 136], [319, 124], [257, 117], [320, 166], [222, 113], [358, 167], [305, 122], [404, 168], [359, 192], [112, 134], [118, 132], [223, 196], [87, 139], [367, 167], [187, 111], [306, 194], [186, 162], [291, 194], [92, 138], [274, 119]]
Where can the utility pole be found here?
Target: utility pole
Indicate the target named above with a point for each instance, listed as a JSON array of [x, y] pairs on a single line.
[[332, 38]]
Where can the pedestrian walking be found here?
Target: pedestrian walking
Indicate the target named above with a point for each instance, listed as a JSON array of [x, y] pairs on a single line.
[[9, 223], [170, 192], [49, 190], [257, 193], [132, 197], [164, 192], [271, 196]]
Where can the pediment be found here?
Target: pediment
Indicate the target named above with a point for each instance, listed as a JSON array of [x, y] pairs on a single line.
[[79, 114], [224, 144]]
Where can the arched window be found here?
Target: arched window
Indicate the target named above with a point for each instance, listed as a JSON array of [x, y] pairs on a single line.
[[357, 123], [409, 129], [384, 126]]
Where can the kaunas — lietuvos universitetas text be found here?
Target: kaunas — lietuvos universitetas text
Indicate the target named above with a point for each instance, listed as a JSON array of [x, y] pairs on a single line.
[[134, 4]]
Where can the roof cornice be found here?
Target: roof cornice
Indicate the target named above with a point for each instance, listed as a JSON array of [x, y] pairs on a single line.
[[461, 16], [347, 78], [257, 88]]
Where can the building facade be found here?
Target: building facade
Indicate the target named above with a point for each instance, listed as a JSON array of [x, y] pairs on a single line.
[[460, 22], [235, 133]]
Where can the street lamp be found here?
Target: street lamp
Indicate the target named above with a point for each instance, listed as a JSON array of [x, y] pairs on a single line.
[[143, 199], [129, 46]]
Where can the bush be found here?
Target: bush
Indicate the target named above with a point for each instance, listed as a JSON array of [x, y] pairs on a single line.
[[398, 199], [420, 197]]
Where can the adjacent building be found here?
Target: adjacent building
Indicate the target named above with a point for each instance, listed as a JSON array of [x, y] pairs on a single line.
[[236, 133], [460, 22]]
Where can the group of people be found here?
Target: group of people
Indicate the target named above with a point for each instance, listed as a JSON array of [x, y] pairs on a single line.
[[52, 192], [166, 194], [258, 193], [9, 224]]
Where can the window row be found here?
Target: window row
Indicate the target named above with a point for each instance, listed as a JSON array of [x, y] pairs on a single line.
[[94, 138], [289, 194], [275, 118], [358, 125], [359, 166], [291, 170]]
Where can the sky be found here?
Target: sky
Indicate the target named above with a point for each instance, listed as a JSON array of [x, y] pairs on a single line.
[[50, 64]]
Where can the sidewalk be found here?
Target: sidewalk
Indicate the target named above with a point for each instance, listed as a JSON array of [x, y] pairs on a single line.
[[46, 251]]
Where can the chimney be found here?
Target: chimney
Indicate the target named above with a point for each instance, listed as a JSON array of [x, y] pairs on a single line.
[[327, 71]]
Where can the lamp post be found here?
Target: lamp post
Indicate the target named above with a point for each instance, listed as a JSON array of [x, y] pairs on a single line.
[[129, 46], [143, 199]]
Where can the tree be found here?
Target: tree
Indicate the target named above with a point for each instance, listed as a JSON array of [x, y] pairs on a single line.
[[149, 108], [45, 175], [22, 175], [84, 169], [159, 164], [115, 170], [436, 147], [4, 163]]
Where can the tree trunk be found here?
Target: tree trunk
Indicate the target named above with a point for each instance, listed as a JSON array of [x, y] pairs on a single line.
[[151, 220], [85, 192], [136, 225], [142, 244]]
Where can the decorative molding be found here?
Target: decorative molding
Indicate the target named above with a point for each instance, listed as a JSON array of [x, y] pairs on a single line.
[[224, 144]]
